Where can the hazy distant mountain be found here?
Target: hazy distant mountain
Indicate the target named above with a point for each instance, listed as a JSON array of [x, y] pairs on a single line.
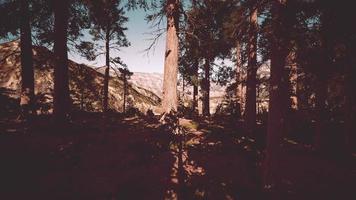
[[85, 82], [154, 83]]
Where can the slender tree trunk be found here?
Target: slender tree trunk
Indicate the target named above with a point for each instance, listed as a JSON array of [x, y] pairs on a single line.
[[275, 116], [239, 97], [195, 88], [170, 100], [61, 87], [27, 74], [107, 71], [250, 112], [206, 88]]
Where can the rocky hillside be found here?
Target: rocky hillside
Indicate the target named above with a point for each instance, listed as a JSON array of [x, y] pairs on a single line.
[[154, 82], [85, 82]]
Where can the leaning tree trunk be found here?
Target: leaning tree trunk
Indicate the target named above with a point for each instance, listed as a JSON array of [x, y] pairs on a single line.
[[250, 112], [27, 74], [206, 88], [276, 98], [107, 71], [61, 87], [170, 100]]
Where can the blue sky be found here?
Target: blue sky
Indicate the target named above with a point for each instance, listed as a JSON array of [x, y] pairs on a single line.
[[134, 56]]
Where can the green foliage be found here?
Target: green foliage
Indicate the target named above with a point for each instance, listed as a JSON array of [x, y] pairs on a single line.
[[107, 20]]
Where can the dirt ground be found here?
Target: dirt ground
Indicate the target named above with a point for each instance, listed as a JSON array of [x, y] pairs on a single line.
[[135, 158]]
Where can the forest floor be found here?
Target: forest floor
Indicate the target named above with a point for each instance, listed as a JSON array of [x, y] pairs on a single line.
[[136, 158]]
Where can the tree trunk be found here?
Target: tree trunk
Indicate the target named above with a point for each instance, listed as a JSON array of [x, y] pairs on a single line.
[[27, 74], [195, 88], [239, 93], [250, 112], [275, 115], [206, 88], [61, 87], [170, 100], [107, 72]]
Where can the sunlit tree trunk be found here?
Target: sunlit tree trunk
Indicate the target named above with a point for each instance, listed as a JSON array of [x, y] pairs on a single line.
[[107, 71], [276, 119], [170, 99], [239, 93], [61, 87], [206, 88], [27, 74], [250, 111]]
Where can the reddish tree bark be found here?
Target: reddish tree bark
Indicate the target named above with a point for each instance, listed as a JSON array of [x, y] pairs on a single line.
[[170, 99], [239, 77]]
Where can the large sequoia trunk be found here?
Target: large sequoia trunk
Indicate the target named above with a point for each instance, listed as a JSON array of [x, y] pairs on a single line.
[[276, 119], [27, 74], [206, 88], [107, 70], [170, 99], [250, 112], [61, 87]]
